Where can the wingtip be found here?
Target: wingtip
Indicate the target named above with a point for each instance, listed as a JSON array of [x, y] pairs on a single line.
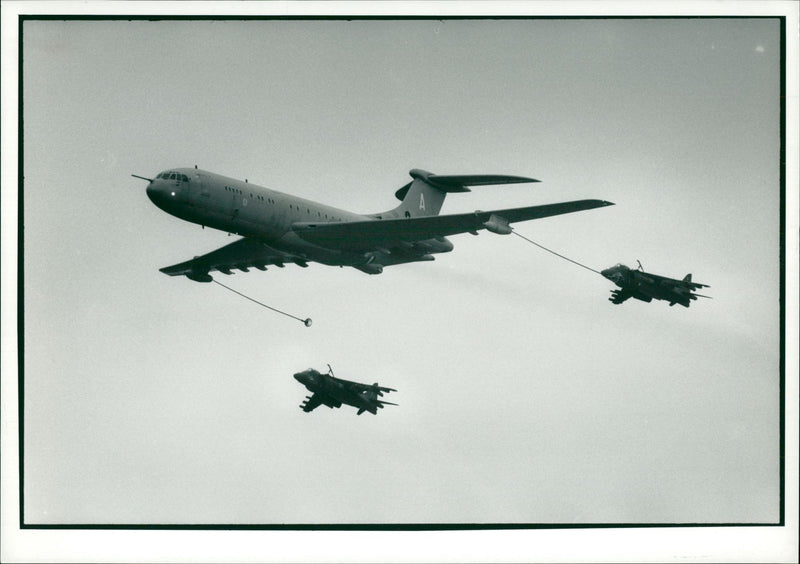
[[520, 180]]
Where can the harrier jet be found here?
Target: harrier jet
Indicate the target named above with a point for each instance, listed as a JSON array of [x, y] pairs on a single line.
[[333, 392], [279, 228], [646, 287]]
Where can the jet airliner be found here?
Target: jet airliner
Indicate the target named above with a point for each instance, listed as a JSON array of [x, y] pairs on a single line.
[[279, 228]]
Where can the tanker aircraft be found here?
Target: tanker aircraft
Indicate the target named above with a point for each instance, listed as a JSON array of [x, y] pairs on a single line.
[[279, 228], [646, 287], [328, 390]]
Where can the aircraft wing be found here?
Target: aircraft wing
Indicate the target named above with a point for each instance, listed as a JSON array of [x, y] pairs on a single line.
[[242, 254], [369, 235], [619, 296], [312, 403]]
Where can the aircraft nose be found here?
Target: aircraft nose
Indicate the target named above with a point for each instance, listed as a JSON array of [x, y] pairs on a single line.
[[614, 274], [611, 274], [154, 193], [159, 193]]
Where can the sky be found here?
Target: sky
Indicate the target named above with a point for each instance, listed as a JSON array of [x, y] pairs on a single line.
[[525, 396]]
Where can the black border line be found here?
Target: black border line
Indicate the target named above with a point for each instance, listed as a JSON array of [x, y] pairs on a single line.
[[389, 526], [782, 260], [20, 279], [399, 527], [358, 17]]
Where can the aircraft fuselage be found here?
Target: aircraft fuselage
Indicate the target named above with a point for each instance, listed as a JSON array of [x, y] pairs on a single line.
[[233, 206]]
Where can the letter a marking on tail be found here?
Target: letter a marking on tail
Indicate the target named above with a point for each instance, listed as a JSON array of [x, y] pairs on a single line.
[[422, 201]]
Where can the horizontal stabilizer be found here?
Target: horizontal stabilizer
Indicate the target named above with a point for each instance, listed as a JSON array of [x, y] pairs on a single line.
[[459, 183], [456, 181], [687, 280]]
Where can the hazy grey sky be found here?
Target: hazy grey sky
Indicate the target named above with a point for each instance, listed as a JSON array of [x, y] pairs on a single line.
[[525, 396]]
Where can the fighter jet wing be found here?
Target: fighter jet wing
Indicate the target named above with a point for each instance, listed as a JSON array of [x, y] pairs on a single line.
[[619, 296], [242, 254], [311, 403], [369, 235]]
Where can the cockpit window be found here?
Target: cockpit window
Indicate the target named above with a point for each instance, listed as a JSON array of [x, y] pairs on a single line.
[[173, 176]]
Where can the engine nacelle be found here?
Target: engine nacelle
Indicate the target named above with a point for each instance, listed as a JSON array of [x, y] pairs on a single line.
[[371, 268], [199, 276], [436, 245], [497, 224]]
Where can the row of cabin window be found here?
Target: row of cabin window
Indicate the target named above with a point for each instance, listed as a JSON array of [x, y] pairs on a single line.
[[173, 176], [270, 200], [257, 197], [308, 211]]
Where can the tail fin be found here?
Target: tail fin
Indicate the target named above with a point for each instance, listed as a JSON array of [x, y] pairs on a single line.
[[424, 195], [687, 278], [372, 395]]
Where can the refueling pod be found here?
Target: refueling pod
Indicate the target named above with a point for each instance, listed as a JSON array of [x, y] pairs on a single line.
[[497, 224]]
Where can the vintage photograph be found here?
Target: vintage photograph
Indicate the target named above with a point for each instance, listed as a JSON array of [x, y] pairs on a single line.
[[401, 273]]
